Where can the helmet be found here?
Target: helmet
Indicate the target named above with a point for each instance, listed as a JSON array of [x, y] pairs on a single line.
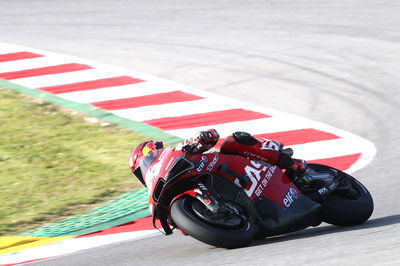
[[142, 156]]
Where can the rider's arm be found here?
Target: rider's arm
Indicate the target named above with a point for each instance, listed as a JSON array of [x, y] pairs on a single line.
[[201, 142]]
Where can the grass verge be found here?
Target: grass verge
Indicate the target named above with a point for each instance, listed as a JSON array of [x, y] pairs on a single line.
[[55, 162]]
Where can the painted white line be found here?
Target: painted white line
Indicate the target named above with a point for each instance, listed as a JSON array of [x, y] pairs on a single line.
[[324, 149], [118, 92], [172, 109], [257, 126], [38, 62], [72, 245], [64, 78]]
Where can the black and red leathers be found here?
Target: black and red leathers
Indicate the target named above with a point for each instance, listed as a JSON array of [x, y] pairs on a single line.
[[242, 143], [239, 143]]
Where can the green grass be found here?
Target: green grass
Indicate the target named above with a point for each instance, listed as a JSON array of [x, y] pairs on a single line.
[[56, 162]]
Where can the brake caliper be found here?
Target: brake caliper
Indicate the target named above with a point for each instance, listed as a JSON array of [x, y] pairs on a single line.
[[207, 198]]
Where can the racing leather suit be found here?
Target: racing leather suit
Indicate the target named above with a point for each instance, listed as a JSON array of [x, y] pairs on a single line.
[[244, 144]]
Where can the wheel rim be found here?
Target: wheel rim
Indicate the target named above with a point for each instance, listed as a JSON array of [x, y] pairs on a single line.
[[229, 220]]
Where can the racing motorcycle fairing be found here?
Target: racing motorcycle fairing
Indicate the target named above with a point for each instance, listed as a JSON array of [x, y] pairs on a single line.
[[170, 181], [275, 202], [276, 220], [279, 205]]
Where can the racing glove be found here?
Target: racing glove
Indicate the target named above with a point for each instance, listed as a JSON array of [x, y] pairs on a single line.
[[209, 137], [203, 141]]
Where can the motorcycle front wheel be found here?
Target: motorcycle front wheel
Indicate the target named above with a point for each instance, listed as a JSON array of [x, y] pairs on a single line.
[[350, 204], [226, 230]]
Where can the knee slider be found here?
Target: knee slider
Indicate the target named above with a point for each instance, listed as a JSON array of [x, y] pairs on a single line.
[[244, 138]]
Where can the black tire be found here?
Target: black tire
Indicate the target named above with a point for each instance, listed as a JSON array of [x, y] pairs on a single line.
[[342, 209], [187, 220]]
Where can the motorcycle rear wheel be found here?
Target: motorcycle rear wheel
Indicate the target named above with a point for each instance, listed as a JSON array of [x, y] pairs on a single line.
[[232, 234], [348, 207]]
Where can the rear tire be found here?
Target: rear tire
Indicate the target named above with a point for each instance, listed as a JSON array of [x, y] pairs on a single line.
[[229, 236], [346, 208]]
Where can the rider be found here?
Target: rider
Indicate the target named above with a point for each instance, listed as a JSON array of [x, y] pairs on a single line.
[[239, 143]]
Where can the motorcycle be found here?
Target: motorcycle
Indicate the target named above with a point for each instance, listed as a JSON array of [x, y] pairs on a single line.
[[228, 200]]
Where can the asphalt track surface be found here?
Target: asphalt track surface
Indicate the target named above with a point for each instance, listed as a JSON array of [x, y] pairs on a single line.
[[336, 62]]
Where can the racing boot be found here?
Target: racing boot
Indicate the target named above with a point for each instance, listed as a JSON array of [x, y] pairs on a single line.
[[298, 165]]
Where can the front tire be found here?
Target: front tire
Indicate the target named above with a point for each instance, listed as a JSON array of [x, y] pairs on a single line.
[[185, 214]]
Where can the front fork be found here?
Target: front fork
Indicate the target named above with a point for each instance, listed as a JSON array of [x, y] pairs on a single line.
[[207, 198]]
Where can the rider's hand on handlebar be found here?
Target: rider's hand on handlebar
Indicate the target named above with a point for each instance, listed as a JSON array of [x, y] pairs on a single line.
[[190, 147], [204, 138]]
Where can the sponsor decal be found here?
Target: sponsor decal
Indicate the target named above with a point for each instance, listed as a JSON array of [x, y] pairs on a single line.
[[202, 163], [259, 175], [206, 201], [151, 146], [323, 191], [213, 163], [269, 145], [290, 197], [264, 182], [333, 186], [250, 154], [270, 172]]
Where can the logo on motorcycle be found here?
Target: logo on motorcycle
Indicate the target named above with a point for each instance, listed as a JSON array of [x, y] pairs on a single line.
[[213, 162], [290, 197], [259, 174], [151, 146], [323, 191], [269, 145], [202, 163]]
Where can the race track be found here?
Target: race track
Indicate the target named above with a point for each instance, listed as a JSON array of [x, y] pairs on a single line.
[[337, 62]]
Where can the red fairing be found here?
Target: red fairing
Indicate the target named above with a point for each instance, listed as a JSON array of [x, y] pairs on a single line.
[[250, 167], [263, 179], [190, 192], [266, 151]]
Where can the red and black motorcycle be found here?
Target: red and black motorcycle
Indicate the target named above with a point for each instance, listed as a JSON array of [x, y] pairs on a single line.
[[228, 200]]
